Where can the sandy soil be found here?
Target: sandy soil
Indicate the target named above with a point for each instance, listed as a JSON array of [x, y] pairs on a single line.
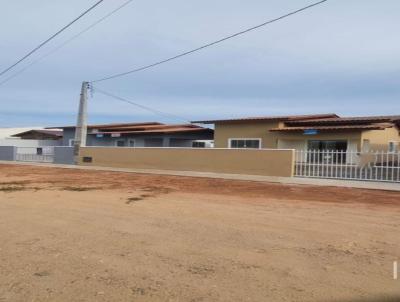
[[71, 235]]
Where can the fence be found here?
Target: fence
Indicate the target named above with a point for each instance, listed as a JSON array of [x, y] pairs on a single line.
[[376, 166], [38, 154], [48, 154]]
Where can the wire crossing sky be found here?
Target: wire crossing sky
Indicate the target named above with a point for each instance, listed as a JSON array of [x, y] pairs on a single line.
[[210, 44], [51, 37], [155, 111], [66, 42]]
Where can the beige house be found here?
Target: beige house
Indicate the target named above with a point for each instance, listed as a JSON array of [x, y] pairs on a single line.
[[309, 132]]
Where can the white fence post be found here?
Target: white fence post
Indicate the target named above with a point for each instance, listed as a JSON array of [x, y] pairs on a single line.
[[340, 164]]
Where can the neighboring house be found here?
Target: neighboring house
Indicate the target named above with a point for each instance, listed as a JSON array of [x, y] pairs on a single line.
[[309, 132], [11, 137], [150, 134], [6, 133], [40, 134]]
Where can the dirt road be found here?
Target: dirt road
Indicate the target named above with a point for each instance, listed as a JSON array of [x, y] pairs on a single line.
[[71, 235]]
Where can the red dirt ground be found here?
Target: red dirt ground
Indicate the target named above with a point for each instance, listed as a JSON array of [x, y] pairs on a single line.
[[73, 235]]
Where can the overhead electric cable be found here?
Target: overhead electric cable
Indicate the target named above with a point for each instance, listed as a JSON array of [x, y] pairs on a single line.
[[67, 42], [155, 111], [51, 37], [209, 44]]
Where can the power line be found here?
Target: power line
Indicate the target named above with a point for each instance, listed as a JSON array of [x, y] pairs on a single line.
[[209, 44], [67, 42], [155, 111], [51, 38]]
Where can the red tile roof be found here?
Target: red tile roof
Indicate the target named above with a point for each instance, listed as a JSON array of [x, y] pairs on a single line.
[[114, 125], [272, 118], [323, 122], [146, 127], [142, 128], [151, 129], [154, 131], [346, 120], [338, 127]]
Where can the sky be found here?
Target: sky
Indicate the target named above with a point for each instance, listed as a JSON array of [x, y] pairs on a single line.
[[342, 56]]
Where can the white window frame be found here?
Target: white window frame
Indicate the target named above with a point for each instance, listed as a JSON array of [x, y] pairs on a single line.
[[131, 140], [395, 146], [246, 139], [119, 140]]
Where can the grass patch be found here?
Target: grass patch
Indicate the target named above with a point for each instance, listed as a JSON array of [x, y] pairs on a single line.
[[141, 197], [79, 189], [133, 199], [157, 190], [14, 183], [9, 189], [15, 186], [42, 274]]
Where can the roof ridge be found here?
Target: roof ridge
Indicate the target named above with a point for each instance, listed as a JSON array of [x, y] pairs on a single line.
[[110, 125], [272, 118]]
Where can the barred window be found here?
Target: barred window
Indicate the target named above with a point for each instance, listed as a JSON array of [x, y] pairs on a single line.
[[245, 143]]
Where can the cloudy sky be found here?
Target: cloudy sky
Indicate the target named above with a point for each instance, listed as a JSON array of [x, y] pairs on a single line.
[[342, 56]]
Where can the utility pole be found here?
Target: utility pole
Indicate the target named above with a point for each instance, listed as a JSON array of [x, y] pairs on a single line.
[[81, 123]]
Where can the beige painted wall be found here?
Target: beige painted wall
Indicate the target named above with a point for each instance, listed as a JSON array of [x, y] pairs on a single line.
[[233, 161], [249, 129], [379, 139]]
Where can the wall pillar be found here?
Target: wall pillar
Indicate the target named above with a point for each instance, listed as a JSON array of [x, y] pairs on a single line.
[[64, 155], [166, 142], [8, 153]]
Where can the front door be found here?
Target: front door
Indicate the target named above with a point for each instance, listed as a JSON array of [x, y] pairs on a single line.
[[327, 145], [329, 151]]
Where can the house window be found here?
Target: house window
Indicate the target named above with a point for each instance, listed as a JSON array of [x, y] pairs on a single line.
[[198, 144], [245, 143], [71, 142], [120, 143], [392, 147], [131, 143]]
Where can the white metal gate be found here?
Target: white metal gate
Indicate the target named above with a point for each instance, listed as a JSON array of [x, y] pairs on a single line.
[[376, 166], [35, 154]]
